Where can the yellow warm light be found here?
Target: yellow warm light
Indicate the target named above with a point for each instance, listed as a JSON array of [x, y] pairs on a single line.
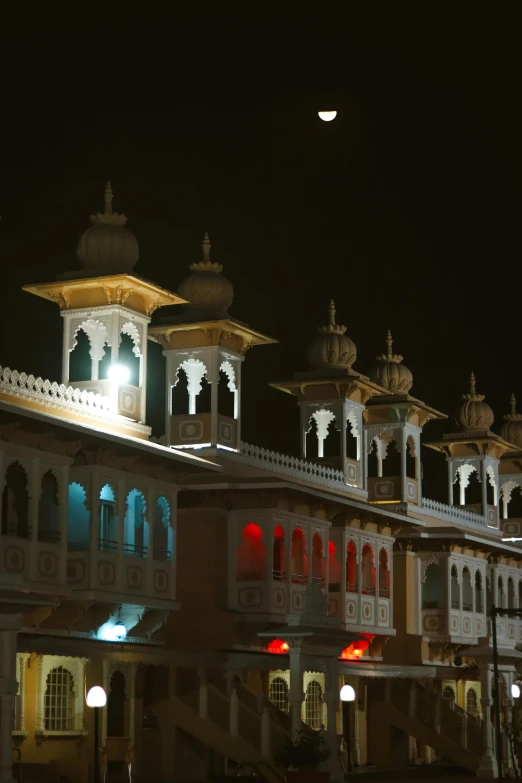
[[327, 116]]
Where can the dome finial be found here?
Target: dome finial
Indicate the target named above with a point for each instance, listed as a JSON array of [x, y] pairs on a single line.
[[513, 405], [205, 246], [389, 344], [332, 313], [108, 199], [472, 387]]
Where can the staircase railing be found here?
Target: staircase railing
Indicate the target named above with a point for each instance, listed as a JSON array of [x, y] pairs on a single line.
[[445, 718]]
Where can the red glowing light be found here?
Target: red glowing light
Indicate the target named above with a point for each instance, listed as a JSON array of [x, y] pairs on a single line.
[[278, 646], [355, 651]]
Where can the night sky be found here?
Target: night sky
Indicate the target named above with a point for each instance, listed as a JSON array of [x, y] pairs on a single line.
[[405, 210]]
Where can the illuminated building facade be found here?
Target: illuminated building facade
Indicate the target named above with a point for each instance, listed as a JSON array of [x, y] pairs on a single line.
[[220, 592]]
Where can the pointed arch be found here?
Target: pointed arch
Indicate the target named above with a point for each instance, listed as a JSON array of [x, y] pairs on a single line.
[[299, 557], [278, 554], [136, 526], [334, 569], [455, 587], [368, 571], [107, 532], [49, 509], [479, 594], [15, 502], [163, 533], [251, 555], [384, 574], [351, 567], [317, 559]]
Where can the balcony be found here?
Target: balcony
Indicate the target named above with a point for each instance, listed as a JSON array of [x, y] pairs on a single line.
[[389, 489], [195, 430]]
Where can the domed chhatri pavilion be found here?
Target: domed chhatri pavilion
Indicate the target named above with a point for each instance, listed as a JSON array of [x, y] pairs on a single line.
[[221, 593]]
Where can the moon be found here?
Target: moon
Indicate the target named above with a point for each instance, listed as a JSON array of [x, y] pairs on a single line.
[[327, 116]]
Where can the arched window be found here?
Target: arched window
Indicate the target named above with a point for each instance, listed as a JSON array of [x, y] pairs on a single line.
[[278, 694], [411, 458], [116, 706], [77, 519], [448, 694], [163, 534], [251, 555], [471, 702], [15, 502], [128, 357], [314, 705], [49, 510], [80, 364], [59, 700], [136, 541], [351, 568], [278, 554], [368, 571], [433, 588], [107, 535], [226, 393], [384, 574], [391, 465], [501, 596], [334, 569], [467, 590], [479, 596], [299, 557], [511, 593], [317, 559], [455, 590]]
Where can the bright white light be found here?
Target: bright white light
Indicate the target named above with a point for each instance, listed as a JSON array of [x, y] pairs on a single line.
[[96, 697], [119, 373], [120, 631], [327, 116], [347, 693], [515, 690]]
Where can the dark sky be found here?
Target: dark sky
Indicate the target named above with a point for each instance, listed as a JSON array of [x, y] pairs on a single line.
[[405, 209]]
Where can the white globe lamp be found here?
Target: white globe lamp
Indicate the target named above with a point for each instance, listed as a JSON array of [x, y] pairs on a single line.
[[327, 116]]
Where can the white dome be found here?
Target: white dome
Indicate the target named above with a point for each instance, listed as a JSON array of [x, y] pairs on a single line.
[[389, 372], [206, 286], [331, 347], [474, 413]]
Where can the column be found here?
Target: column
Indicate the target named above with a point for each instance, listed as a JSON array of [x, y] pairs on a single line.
[[404, 463], [66, 354], [296, 694], [484, 477], [35, 489], [488, 765], [213, 372], [450, 490], [9, 626], [143, 373], [94, 518]]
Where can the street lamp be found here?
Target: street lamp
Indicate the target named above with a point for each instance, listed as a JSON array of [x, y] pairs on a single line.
[[96, 698], [515, 690], [119, 373], [347, 696]]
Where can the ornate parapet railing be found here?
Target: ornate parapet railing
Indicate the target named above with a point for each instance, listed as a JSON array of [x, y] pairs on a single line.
[[444, 512], [31, 388], [63, 399], [293, 467]]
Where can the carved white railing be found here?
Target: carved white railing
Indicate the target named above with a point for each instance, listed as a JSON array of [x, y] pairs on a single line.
[[56, 395], [432, 508], [296, 468]]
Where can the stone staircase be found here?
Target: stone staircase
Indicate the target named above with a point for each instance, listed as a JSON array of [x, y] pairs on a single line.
[[233, 721], [421, 713]]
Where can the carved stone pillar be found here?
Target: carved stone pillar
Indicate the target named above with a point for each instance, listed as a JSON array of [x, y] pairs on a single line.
[[488, 764], [8, 688], [296, 694]]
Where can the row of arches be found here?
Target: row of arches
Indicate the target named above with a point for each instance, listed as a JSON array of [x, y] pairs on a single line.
[[323, 436], [90, 356], [252, 555], [366, 584], [384, 457], [313, 702], [467, 486], [15, 505], [472, 708], [136, 536], [191, 392], [467, 591], [470, 599]]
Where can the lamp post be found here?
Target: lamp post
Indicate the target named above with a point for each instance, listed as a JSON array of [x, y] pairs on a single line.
[[347, 696], [96, 698]]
